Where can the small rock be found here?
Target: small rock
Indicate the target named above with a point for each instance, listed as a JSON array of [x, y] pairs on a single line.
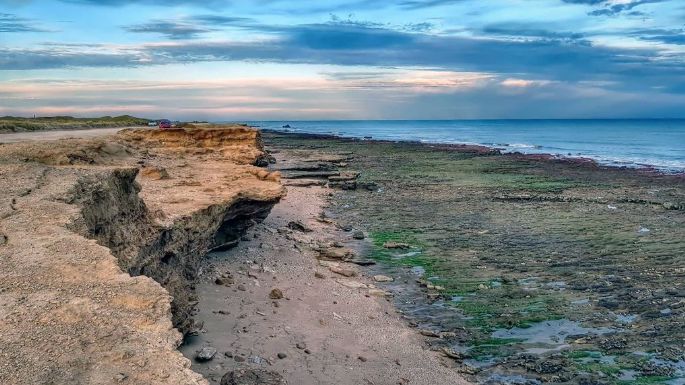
[[382, 278], [362, 358], [239, 358], [225, 281], [378, 292], [307, 351], [343, 271], [228, 354], [346, 228], [282, 355], [429, 333], [396, 245], [205, 354], [337, 253], [252, 377], [319, 275], [299, 226], [301, 345], [257, 360], [120, 377], [3, 239], [451, 353], [241, 288], [358, 235], [276, 294]]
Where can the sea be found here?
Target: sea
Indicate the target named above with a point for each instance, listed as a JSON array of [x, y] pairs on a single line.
[[653, 143]]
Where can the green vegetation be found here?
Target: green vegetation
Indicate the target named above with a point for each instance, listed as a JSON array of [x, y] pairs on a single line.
[[16, 124]]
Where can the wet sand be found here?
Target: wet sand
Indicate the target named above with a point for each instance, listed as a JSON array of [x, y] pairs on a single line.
[[345, 335]]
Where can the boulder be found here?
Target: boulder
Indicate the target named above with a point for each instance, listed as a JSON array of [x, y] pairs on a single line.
[[205, 354]]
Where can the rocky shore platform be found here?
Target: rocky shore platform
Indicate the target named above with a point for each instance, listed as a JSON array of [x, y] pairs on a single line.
[[520, 269]]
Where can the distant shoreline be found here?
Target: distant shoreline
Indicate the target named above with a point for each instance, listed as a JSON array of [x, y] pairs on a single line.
[[495, 150]]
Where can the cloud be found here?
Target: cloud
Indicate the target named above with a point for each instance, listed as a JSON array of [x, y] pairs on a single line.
[[614, 7], [13, 23], [551, 56], [190, 27], [172, 30], [667, 36]]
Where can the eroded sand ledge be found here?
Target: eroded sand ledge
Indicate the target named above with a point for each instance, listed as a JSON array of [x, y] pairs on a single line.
[[96, 234]]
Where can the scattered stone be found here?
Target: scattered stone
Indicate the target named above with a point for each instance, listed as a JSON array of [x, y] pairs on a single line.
[[252, 377], [205, 354], [453, 354], [299, 226], [378, 293], [343, 271], [257, 360], [429, 333], [319, 275], [224, 281], [362, 358], [337, 253], [241, 288], [307, 351], [228, 354], [352, 284], [358, 235], [3, 239], [120, 377], [382, 278], [239, 358], [276, 294], [282, 355], [346, 228], [301, 345]]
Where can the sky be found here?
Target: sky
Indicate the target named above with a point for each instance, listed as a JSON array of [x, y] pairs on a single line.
[[343, 59]]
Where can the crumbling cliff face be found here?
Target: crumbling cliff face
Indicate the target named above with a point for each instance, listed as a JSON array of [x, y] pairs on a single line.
[[97, 257]]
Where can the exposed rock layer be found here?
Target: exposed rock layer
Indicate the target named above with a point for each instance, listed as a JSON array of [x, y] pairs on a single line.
[[81, 311]]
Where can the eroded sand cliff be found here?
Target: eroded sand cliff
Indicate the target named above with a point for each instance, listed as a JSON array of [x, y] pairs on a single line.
[[100, 241]]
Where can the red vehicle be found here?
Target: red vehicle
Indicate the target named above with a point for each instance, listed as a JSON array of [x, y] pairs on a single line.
[[164, 123]]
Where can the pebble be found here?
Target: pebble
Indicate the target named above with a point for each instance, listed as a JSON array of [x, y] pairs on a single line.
[[358, 235], [301, 345], [282, 355], [362, 358], [382, 278], [276, 294], [319, 275], [239, 358], [241, 288]]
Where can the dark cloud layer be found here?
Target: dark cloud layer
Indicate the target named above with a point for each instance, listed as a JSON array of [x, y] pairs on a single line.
[[551, 57], [609, 9], [12, 23]]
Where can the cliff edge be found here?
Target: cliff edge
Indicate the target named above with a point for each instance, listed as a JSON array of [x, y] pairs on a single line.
[[100, 242]]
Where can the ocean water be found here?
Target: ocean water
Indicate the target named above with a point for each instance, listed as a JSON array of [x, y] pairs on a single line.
[[626, 143]]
